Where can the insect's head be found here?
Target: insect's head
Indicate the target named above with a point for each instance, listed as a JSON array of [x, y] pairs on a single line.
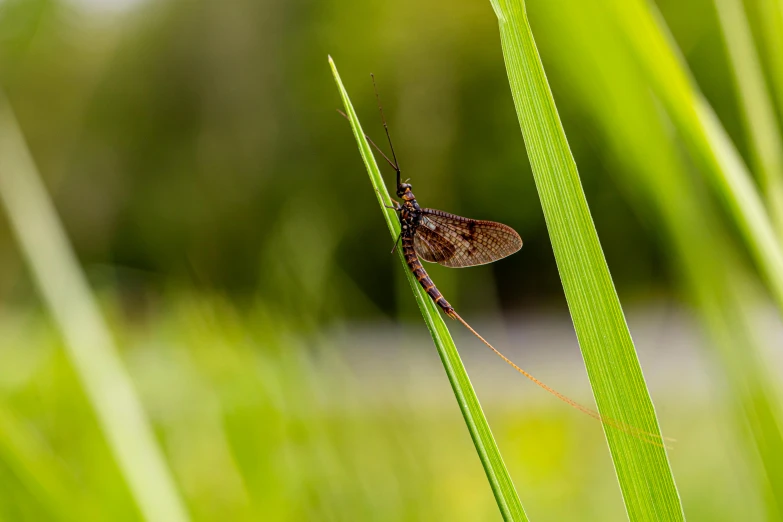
[[404, 191]]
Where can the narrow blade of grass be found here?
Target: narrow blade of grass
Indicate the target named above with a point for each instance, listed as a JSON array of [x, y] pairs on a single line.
[[497, 474], [618, 385], [706, 139], [756, 105], [90, 346], [649, 163], [767, 19]]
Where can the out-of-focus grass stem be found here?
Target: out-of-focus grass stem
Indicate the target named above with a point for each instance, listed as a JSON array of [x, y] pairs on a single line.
[[90, 347], [705, 137], [756, 105]]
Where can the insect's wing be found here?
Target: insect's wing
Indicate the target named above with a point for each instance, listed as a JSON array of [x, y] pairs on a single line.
[[431, 246], [474, 242]]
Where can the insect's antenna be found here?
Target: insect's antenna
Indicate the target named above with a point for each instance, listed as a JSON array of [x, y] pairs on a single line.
[[386, 128], [650, 438], [371, 142]]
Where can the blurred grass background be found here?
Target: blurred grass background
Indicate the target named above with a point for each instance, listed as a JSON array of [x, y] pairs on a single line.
[[218, 207]]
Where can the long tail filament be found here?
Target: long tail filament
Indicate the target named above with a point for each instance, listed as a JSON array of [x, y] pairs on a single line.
[[631, 430]]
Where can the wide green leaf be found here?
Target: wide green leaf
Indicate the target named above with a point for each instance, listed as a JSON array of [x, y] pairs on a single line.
[[620, 391], [647, 160]]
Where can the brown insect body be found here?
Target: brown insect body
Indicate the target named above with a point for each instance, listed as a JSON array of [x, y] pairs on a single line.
[[449, 240], [410, 215]]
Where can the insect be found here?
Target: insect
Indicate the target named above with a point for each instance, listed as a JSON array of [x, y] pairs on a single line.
[[446, 239], [455, 241]]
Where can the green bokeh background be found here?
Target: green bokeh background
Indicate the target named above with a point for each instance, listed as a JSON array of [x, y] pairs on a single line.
[[222, 215]]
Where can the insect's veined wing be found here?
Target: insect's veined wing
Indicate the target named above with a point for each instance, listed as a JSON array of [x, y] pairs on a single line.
[[432, 246], [456, 242]]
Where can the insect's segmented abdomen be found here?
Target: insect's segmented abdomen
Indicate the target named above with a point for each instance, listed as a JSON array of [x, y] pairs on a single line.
[[421, 275]]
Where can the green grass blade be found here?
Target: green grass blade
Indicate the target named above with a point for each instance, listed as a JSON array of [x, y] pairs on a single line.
[[618, 385], [706, 139], [758, 111], [89, 343], [767, 19], [497, 474], [649, 162]]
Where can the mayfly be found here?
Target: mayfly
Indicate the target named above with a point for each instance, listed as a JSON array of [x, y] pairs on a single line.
[[455, 241]]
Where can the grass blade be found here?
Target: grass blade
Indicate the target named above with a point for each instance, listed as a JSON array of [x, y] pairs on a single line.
[[497, 474], [90, 346], [705, 137], [767, 18], [618, 385], [649, 162], [761, 126]]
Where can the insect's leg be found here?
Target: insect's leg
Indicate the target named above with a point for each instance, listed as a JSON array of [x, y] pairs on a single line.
[[396, 242], [397, 204]]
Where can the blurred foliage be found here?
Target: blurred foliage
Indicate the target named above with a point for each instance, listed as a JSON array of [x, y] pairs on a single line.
[[218, 206], [261, 422], [196, 141]]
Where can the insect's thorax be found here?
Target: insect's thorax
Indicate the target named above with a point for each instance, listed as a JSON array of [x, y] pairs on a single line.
[[410, 217]]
